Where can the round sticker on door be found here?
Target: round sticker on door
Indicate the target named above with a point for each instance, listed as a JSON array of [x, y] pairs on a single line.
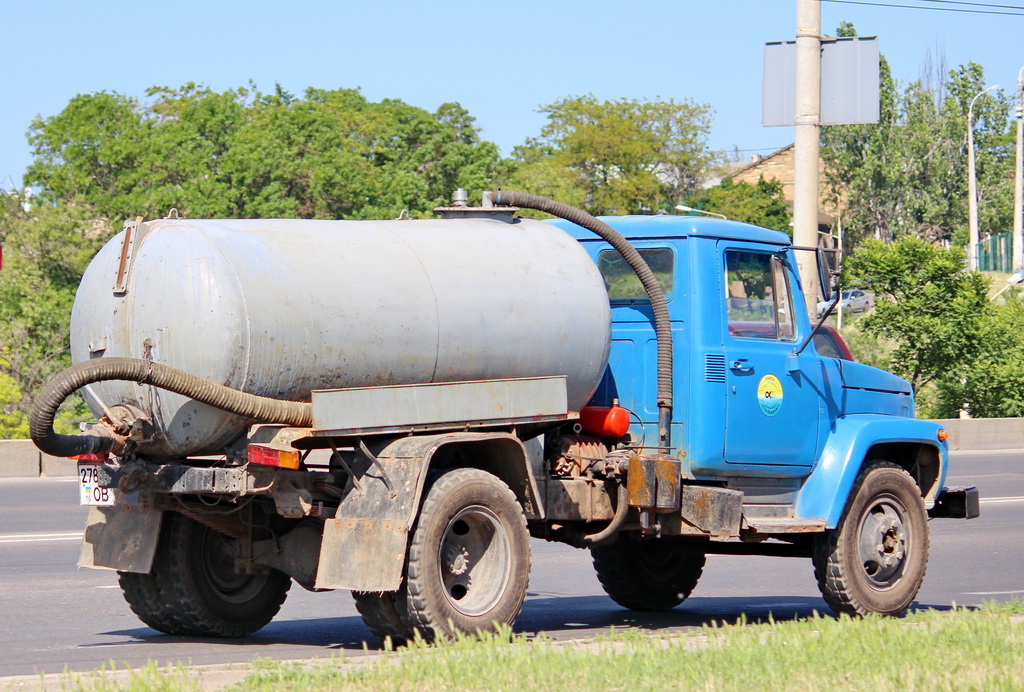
[[769, 395]]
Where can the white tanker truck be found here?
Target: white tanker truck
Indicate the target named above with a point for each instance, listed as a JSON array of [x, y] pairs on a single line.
[[395, 407]]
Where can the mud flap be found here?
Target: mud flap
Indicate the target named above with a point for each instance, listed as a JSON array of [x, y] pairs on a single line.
[[362, 555], [363, 547], [122, 537]]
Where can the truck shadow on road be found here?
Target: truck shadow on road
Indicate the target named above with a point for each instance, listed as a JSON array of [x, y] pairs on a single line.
[[558, 618]]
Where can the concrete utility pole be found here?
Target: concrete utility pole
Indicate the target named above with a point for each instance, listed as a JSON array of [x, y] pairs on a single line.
[[1018, 179], [806, 142], [972, 186]]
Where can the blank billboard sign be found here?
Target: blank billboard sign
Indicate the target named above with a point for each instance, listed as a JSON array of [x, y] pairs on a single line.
[[849, 82]]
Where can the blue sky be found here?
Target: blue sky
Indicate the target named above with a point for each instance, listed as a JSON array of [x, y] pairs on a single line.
[[500, 61]]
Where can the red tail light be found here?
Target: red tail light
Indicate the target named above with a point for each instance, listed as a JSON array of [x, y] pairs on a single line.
[[101, 456], [269, 456]]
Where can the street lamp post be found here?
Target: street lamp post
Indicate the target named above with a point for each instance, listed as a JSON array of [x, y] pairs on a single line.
[[691, 210], [1018, 179], [972, 185]]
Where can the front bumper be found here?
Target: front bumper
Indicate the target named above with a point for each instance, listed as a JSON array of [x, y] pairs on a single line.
[[956, 503]]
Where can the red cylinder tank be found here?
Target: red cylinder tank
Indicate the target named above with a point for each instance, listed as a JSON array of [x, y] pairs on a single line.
[[604, 421]]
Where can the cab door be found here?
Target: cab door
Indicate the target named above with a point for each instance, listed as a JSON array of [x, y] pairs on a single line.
[[773, 397]]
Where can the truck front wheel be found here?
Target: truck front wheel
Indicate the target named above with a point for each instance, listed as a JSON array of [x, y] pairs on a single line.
[[875, 559], [469, 559], [656, 574]]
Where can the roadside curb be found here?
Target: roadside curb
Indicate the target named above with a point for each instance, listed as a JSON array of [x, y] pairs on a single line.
[[208, 677], [213, 677]]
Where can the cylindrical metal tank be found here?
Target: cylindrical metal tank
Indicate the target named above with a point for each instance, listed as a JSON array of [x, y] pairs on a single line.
[[282, 307]]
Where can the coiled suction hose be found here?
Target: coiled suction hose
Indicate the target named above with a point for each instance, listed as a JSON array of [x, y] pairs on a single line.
[[662, 325], [259, 409]]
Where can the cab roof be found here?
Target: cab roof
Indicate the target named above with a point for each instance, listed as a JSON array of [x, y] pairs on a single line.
[[672, 226]]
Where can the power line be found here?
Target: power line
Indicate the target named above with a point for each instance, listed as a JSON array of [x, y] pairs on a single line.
[[931, 9], [760, 149], [976, 4]]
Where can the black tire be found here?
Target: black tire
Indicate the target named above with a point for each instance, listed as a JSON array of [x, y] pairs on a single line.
[[146, 601], [201, 591], [874, 561], [382, 614], [648, 575], [144, 596], [469, 559]]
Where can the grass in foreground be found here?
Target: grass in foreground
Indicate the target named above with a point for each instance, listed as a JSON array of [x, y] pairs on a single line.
[[933, 650], [958, 650]]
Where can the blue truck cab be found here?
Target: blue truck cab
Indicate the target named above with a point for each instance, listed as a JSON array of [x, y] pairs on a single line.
[[814, 448]]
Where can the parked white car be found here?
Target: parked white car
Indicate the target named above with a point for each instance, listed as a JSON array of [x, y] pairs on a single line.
[[854, 300]]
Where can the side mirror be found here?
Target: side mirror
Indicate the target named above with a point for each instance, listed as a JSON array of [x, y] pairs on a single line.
[[828, 271]]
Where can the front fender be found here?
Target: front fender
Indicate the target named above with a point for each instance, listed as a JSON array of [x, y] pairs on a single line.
[[825, 492]]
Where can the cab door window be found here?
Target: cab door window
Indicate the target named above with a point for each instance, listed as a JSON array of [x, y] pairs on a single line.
[[759, 302], [622, 282]]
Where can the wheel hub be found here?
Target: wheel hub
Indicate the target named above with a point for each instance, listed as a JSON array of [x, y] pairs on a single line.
[[474, 558], [883, 543], [457, 560], [220, 555]]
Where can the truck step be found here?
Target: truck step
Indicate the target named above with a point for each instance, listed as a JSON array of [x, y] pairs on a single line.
[[773, 525]]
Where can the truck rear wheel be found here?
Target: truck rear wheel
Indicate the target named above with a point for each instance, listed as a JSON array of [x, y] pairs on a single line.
[[875, 560], [201, 592], [648, 575], [146, 601], [382, 614], [469, 558]]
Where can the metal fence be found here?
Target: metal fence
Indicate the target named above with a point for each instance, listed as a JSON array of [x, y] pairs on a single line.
[[995, 254]]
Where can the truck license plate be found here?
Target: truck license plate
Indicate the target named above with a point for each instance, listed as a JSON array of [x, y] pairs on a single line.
[[90, 493]]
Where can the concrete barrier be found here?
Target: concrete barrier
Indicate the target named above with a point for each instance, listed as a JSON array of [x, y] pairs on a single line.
[[52, 467], [984, 434], [20, 458]]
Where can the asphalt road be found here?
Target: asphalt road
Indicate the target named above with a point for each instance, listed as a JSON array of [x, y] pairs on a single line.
[[55, 616]]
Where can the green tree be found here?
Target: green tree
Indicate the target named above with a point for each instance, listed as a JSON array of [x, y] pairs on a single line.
[[244, 154], [907, 174], [991, 384], [762, 204], [620, 157], [927, 303], [46, 250]]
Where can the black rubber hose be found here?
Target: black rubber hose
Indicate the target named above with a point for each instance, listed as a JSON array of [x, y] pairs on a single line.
[[577, 536], [662, 324], [258, 409], [609, 533]]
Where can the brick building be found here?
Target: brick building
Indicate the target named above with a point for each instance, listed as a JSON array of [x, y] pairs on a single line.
[[779, 166]]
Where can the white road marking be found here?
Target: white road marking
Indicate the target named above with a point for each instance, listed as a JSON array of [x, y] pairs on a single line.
[[1000, 500], [992, 593], [40, 537]]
